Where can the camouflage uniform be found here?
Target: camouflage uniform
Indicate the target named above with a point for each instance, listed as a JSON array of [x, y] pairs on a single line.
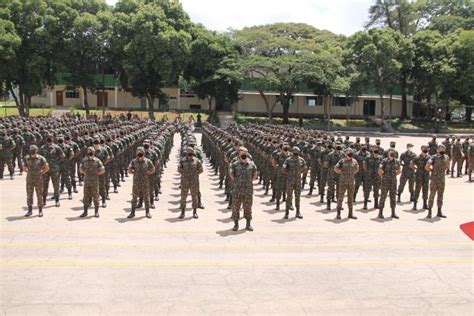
[[457, 157], [54, 156], [348, 167], [279, 157], [333, 178], [17, 152], [141, 170], [34, 180], [439, 164], [91, 167], [390, 168], [294, 166], [407, 174], [190, 168], [422, 178], [372, 179], [7, 146], [471, 160]]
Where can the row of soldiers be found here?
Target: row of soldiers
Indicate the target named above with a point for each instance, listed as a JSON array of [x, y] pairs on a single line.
[[57, 149], [375, 168]]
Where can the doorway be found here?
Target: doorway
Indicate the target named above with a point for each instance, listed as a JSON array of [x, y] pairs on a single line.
[[102, 99], [369, 107], [59, 98]]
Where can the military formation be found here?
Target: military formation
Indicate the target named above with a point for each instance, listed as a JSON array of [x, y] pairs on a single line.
[[289, 158], [68, 153], [71, 153]]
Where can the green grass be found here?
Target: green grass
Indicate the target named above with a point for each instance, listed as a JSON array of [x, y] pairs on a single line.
[[429, 125], [33, 112], [316, 122]]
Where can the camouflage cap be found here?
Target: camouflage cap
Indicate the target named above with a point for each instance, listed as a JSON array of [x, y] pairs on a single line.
[[33, 148], [243, 149], [296, 150], [190, 150], [91, 150], [140, 150]]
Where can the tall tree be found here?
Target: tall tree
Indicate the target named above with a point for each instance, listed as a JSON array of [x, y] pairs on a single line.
[[155, 38], [9, 42]]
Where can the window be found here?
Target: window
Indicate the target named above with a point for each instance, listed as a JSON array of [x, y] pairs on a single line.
[[72, 94], [339, 101], [314, 101]]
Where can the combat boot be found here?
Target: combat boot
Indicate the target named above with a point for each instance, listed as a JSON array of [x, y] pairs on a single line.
[[40, 211], [69, 194], [310, 190], [429, 213], [328, 205], [84, 214], [199, 202], [351, 215], [195, 214], [277, 208], [394, 215], [338, 215], [236, 226], [220, 184], [96, 212], [273, 197], [57, 201], [376, 203], [115, 188], [411, 197], [147, 213], [104, 204], [30, 211], [284, 197], [321, 200], [183, 212], [152, 203], [249, 226], [425, 204], [298, 213], [365, 204], [440, 214], [287, 214], [132, 213], [399, 200], [266, 191], [44, 199], [414, 205], [380, 214]]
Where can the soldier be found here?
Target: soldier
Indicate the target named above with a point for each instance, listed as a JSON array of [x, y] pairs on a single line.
[[333, 178], [407, 172], [53, 155], [457, 156], [449, 146], [65, 166], [470, 159], [465, 152], [92, 168], [381, 149], [71, 163], [242, 172], [432, 146], [422, 177], [388, 170], [102, 154], [392, 147], [141, 168], [294, 166], [361, 156], [322, 181], [278, 159], [35, 167], [17, 152], [437, 166], [7, 147], [190, 168], [346, 168]]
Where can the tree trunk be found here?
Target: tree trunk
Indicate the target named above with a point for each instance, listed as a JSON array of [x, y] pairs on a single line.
[[403, 83], [27, 106], [390, 110], [382, 113], [286, 107], [328, 111], [17, 102], [468, 113], [86, 101], [151, 107]]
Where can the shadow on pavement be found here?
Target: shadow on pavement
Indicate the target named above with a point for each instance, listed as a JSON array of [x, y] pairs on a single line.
[[123, 220], [177, 220], [430, 220], [337, 221], [381, 220], [230, 232], [19, 218]]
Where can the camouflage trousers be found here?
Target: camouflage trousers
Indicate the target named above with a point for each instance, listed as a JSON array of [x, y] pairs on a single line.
[[66, 176], [187, 186], [436, 188], [54, 175], [389, 187], [407, 176], [322, 181], [17, 157], [280, 185], [422, 184], [6, 161], [349, 186], [91, 194], [241, 200], [141, 190], [457, 161], [333, 186], [313, 176], [31, 186], [293, 186], [371, 183], [103, 179]]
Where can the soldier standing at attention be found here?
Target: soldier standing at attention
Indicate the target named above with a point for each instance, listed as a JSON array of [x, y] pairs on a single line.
[[242, 172], [141, 168], [190, 168], [333, 178], [448, 144], [92, 168], [465, 150], [422, 177], [432, 146], [437, 166], [407, 172], [470, 159], [389, 169], [17, 153], [53, 155], [35, 166], [456, 155], [294, 166], [7, 146], [346, 168]]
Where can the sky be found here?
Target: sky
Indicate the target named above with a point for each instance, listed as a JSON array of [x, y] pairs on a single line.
[[338, 16]]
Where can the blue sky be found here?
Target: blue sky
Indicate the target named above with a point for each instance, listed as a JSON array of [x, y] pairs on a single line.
[[338, 16]]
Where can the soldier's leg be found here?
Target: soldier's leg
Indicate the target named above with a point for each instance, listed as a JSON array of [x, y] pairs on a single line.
[[247, 206], [289, 196], [403, 181], [46, 178], [236, 204], [55, 181], [350, 200], [393, 197], [439, 199], [416, 194], [29, 196], [297, 200], [2, 167], [340, 196], [459, 171], [10, 167], [194, 196], [383, 196], [146, 199], [433, 189]]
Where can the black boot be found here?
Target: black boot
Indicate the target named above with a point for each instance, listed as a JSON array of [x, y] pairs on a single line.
[[249, 226], [115, 188], [266, 191], [414, 205], [321, 200], [96, 212], [147, 213], [195, 214], [365, 204], [44, 199], [30, 211], [399, 200], [411, 197], [69, 194], [310, 191], [229, 206], [440, 214], [132, 213], [104, 204], [273, 197], [429, 213], [328, 205], [298, 213], [183, 212], [277, 208], [236, 226], [199, 202], [338, 215], [152, 203], [287, 214], [220, 184], [227, 197], [57, 201], [376, 203], [84, 214], [351, 215], [425, 205], [40, 211], [394, 215], [380, 214]]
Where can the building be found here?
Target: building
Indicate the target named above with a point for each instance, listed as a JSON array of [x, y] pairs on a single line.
[[304, 103]]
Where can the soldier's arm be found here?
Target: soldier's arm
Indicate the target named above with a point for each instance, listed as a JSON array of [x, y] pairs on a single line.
[[254, 173], [101, 171], [199, 168], [45, 168], [428, 167], [232, 173], [151, 169], [399, 170]]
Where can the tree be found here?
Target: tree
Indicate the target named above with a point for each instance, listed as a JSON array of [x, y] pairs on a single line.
[[375, 55], [154, 43], [212, 69], [278, 57], [9, 43]]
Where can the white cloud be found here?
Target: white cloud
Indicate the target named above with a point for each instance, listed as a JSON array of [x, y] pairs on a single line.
[[338, 16]]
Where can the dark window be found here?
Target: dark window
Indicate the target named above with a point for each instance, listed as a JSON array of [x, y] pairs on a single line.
[[314, 101], [369, 107], [339, 101], [72, 94]]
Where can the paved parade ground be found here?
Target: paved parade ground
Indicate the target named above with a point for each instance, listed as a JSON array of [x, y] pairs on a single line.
[[61, 264]]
